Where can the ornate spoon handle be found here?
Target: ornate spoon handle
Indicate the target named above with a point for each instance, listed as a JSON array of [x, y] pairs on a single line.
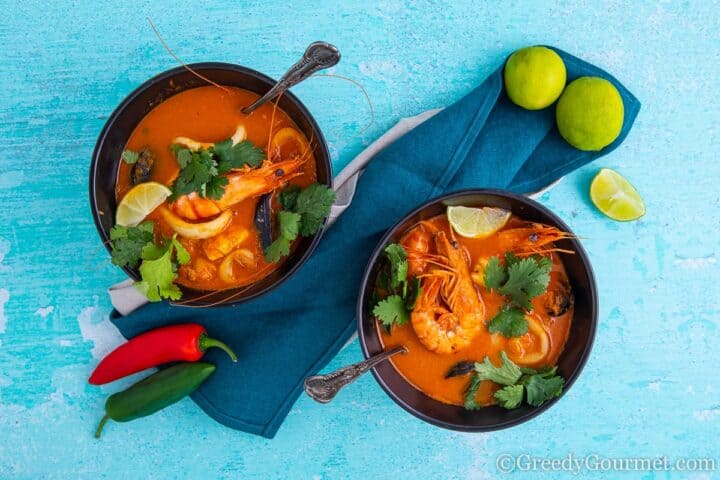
[[323, 388], [318, 56]]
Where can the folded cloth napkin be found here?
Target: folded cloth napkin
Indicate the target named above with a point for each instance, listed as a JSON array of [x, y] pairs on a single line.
[[483, 140]]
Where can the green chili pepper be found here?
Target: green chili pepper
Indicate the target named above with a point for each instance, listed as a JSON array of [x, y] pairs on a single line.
[[155, 392]]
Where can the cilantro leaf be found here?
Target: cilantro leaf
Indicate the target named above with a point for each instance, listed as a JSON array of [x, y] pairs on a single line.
[[392, 309], [277, 249], [509, 396], [303, 214], [288, 197], [495, 274], [196, 173], [127, 243], [507, 374], [538, 386], [201, 170], [158, 275], [230, 157], [289, 224], [471, 392], [397, 256], [181, 253], [152, 251], [130, 157], [215, 187], [527, 278], [288, 227], [509, 321], [541, 388], [183, 155], [511, 259], [158, 270], [314, 203]]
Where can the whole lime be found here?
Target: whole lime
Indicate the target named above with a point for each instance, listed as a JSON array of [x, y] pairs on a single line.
[[534, 77], [590, 113]]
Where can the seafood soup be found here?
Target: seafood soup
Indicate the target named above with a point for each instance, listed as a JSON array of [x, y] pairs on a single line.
[[232, 181], [484, 319]]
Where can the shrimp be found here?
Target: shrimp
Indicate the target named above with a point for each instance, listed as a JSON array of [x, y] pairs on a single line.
[[416, 243], [535, 238], [449, 313], [242, 184]]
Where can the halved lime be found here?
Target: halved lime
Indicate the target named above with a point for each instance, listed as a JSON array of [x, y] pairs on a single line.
[[615, 197], [477, 222], [139, 202]]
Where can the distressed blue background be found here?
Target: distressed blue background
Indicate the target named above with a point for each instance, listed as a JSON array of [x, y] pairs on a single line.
[[651, 386]]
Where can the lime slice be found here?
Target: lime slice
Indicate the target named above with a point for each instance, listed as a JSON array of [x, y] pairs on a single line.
[[139, 202], [616, 197], [477, 222]]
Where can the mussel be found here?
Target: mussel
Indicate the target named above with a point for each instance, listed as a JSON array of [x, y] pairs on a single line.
[[141, 170]]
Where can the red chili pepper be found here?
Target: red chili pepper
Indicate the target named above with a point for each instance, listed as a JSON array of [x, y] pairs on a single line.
[[183, 342]]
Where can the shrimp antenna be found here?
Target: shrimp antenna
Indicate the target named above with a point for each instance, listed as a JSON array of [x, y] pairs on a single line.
[[178, 60]]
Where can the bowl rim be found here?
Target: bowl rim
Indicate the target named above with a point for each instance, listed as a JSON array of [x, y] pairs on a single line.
[[532, 413], [165, 76]]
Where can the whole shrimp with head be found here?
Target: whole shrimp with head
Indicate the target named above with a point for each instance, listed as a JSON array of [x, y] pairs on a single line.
[[449, 313]]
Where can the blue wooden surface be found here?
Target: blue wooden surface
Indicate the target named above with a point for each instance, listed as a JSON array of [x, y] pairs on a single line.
[[651, 386]]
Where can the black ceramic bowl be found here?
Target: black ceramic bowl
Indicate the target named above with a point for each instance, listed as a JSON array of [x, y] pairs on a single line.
[[122, 122], [572, 360]]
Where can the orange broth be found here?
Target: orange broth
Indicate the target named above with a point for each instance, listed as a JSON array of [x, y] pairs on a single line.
[[426, 370], [210, 114]]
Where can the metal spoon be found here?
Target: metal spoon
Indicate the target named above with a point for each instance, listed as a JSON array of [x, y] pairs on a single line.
[[318, 56], [323, 388]]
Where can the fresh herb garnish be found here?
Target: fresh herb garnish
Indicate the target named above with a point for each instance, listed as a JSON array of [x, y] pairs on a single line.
[[196, 170], [313, 203], [398, 266], [542, 387], [401, 293], [520, 280], [506, 374], [158, 263], [127, 243], [509, 396], [288, 228], [231, 156], [509, 321], [159, 270], [537, 386], [303, 213], [495, 274], [201, 170], [392, 310], [130, 157]]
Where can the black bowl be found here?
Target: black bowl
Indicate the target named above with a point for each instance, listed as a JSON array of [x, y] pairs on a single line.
[[122, 122], [571, 362]]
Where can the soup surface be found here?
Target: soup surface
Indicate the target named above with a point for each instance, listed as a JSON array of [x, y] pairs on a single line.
[[209, 115], [548, 326]]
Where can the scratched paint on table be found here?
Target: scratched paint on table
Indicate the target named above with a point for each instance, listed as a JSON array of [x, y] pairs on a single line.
[[651, 386]]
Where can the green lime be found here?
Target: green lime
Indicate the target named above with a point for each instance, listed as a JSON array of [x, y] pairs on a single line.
[[614, 196], [590, 113], [477, 222], [139, 202], [534, 77]]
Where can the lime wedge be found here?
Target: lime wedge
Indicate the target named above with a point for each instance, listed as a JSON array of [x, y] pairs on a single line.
[[477, 222], [139, 202], [615, 197]]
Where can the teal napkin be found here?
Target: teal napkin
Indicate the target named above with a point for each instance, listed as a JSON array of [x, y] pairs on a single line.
[[483, 140]]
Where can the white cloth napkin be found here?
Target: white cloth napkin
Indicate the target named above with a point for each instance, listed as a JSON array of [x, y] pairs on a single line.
[[125, 297]]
